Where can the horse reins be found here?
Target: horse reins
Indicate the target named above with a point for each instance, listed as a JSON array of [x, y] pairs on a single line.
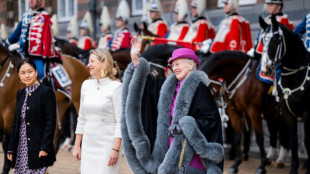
[[6, 58], [287, 91], [7, 74]]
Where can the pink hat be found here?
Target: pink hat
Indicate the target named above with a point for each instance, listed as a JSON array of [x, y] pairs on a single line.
[[184, 53]]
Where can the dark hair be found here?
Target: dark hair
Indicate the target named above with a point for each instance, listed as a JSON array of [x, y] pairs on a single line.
[[25, 61]]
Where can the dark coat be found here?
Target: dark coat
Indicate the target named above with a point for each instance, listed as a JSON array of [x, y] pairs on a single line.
[[195, 111], [40, 121]]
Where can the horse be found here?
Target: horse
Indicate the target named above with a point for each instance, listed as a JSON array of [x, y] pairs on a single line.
[[153, 55], [244, 94], [284, 48], [10, 84]]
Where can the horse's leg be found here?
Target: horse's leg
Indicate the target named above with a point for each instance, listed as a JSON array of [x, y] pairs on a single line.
[[247, 131], [63, 103], [5, 145], [237, 127], [272, 125], [229, 139], [307, 140], [292, 122], [256, 121], [8, 117], [284, 141]]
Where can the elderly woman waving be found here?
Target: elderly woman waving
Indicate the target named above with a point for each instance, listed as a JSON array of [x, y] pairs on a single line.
[[187, 137]]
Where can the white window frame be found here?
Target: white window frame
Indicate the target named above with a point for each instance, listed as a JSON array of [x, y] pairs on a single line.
[[20, 10], [241, 2], [136, 11], [66, 18]]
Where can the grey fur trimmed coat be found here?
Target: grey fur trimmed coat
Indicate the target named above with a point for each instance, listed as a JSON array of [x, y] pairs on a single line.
[[164, 159]]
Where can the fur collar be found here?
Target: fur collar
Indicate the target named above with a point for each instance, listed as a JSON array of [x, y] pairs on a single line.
[[136, 143]]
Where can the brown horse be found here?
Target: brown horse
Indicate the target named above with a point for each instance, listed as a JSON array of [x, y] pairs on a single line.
[[245, 94], [10, 84]]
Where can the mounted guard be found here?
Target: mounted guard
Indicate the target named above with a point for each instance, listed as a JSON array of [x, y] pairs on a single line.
[[179, 29], [121, 37], [105, 27], [234, 31], [201, 29], [86, 29], [34, 37], [157, 26], [72, 31], [273, 7]]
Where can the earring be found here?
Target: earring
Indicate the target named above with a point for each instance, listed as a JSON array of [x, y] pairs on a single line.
[[103, 72], [190, 68]]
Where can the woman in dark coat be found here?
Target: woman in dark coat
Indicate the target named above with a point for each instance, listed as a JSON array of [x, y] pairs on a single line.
[[31, 145], [188, 129]]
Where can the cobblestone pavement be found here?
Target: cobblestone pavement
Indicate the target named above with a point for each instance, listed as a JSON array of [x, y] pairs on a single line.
[[65, 164]]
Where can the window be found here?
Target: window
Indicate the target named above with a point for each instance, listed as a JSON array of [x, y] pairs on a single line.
[[138, 6], [22, 8], [66, 9], [241, 2]]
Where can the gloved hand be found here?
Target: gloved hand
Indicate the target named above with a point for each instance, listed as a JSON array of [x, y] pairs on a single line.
[[174, 129]]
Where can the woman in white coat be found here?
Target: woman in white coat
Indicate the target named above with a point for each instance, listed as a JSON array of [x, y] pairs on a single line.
[[98, 126]]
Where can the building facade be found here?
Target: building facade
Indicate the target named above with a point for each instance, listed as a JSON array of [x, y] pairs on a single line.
[[12, 10]]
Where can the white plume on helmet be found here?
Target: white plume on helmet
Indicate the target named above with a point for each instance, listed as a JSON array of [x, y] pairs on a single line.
[[55, 25], [123, 11], [181, 9], [105, 18], [234, 4], [73, 27], [146, 14], [155, 6], [200, 5], [87, 23], [4, 34]]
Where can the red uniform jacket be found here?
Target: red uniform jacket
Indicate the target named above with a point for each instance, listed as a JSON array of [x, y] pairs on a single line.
[[86, 43], [178, 31], [73, 41], [40, 36], [158, 27], [234, 34], [200, 30], [121, 39]]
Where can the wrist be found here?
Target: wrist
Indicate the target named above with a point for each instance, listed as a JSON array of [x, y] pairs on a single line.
[[117, 150]]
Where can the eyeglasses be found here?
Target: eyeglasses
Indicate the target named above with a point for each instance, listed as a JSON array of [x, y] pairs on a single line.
[[177, 64]]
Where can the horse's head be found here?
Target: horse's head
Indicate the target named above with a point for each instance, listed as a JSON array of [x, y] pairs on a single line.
[[274, 46]]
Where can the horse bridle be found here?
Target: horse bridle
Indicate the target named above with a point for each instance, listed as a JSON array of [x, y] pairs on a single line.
[[7, 74], [279, 52]]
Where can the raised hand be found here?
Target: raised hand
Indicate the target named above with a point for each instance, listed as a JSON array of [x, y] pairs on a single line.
[[135, 50]]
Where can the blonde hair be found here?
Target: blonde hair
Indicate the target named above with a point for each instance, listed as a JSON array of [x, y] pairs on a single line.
[[108, 67]]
